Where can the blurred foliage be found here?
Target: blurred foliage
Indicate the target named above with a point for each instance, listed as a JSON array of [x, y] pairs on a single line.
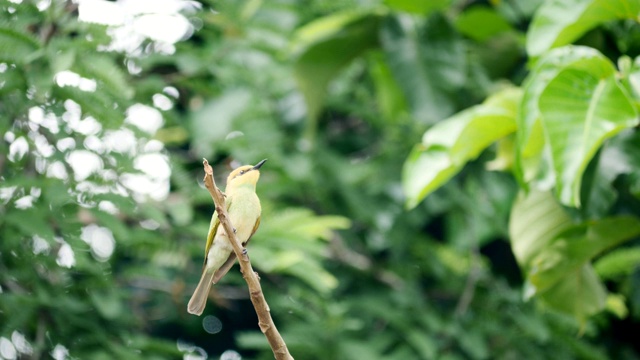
[[103, 218]]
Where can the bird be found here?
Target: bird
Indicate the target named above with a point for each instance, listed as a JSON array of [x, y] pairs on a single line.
[[243, 206]]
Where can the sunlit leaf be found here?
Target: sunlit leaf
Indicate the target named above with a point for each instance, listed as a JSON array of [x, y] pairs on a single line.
[[530, 135], [559, 22], [451, 143], [580, 108]]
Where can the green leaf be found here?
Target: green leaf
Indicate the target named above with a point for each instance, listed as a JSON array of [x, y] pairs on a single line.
[[616, 305], [389, 96], [559, 22], [16, 46], [422, 7], [618, 262], [481, 23], [428, 62], [323, 47], [530, 135], [632, 77], [570, 251], [107, 303], [293, 245], [451, 143], [536, 219], [580, 294], [581, 107]]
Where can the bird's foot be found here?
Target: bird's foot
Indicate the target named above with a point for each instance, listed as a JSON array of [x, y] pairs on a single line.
[[244, 251]]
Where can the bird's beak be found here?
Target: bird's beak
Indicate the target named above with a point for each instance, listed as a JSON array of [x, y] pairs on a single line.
[[258, 165]]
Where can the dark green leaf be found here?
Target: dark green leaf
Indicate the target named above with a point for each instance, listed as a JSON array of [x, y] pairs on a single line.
[[428, 62], [323, 47]]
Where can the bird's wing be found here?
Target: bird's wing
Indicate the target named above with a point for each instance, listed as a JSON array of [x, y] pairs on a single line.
[[213, 229], [224, 269]]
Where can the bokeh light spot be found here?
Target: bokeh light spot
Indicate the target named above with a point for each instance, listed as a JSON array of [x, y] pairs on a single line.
[[211, 324]]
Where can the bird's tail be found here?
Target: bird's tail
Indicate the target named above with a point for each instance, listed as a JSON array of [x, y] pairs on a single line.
[[199, 298]]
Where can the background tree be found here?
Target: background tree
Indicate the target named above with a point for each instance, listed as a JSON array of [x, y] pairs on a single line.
[[528, 159]]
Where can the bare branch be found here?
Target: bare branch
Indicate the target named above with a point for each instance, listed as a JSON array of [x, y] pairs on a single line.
[[265, 322]]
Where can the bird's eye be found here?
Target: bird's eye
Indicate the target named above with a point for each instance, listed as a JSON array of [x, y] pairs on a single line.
[[242, 172]]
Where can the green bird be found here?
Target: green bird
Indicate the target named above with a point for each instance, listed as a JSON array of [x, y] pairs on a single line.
[[243, 207]]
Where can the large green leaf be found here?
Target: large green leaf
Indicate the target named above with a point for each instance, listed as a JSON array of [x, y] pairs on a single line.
[[536, 219], [581, 107], [559, 22], [530, 135], [323, 47], [555, 253], [573, 249], [451, 143], [580, 294], [428, 62]]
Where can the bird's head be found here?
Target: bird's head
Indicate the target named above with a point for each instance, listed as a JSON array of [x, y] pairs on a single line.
[[245, 175]]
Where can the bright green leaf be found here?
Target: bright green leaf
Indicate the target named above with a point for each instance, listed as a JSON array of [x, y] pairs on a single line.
[[422, 7], [530, 134], [559, 22], [451, 143], [481, 23], [616, 305], [581, 107]]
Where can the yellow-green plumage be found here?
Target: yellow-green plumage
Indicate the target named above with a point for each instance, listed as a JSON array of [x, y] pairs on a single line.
[[243, 207]]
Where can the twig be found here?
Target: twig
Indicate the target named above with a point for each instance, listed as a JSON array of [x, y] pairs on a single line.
[[470, 286], [265, 322]]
